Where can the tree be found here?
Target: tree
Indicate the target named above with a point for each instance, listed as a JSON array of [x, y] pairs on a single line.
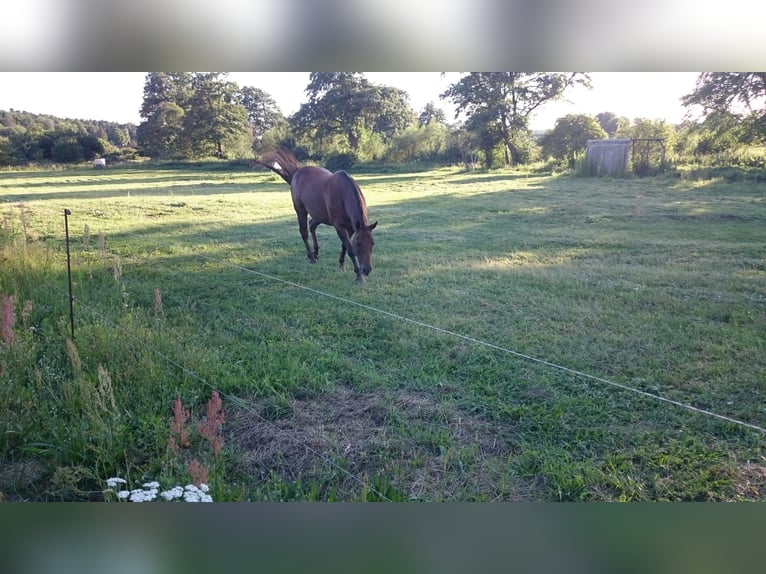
[[192, 115], [263, 114], [569, 136], [92, 147], [117, 136], [498, 105], [419, 143], [6, 152], [166, 99], [740, 93], [67, 150], [721, 131], [161, 88], [462, 146], [387, 111], [333, 107], [162, 134], [35, 143], [430, 114], [611, 123], [487, 135], [215, 118], [648, 154], [30, 137], [346, 104]]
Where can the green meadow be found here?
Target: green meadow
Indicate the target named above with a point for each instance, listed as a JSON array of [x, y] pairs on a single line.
[[522, 337]]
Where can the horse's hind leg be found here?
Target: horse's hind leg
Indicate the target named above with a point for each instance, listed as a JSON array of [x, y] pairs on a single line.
[[305, 236]]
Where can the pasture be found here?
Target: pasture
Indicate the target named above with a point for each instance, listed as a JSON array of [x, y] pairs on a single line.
[[522, 337]]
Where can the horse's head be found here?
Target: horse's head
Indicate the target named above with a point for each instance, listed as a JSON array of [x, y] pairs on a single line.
[[363, 244]]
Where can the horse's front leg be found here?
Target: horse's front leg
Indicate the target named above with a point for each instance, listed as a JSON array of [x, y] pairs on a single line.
[[313, 228], [345, 241], [305, 236], [342, 258]]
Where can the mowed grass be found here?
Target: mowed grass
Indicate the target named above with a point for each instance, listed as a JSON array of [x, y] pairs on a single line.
[[521, 337]]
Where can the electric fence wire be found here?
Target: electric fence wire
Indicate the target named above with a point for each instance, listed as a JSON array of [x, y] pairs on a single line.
[[244, 405], [424, 325], [489, 345]]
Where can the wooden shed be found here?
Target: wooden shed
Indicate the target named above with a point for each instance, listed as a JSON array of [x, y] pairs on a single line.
[[608, 157], [642, 156]]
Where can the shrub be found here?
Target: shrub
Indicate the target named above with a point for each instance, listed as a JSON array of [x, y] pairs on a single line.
[[342, 160]]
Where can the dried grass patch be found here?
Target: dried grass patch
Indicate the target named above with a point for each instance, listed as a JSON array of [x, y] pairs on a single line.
[[392, 434]]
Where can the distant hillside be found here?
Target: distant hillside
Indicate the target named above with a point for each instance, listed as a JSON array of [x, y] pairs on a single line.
[[28, 138]]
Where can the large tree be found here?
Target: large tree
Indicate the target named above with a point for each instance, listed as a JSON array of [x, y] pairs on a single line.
[[498, 105], [740, 93], [191, 115], [166, 99], [346, 103], [161, 135], [387, 111], [215, 116], [165, 87], [263, 113]]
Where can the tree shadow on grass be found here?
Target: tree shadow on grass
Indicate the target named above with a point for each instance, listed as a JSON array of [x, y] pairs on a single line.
[[89, 186], [493, 224]]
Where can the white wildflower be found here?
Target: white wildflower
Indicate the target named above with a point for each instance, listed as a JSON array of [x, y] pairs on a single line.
[[194, 494], [191, 496], [139, 495], [173, 493], [151, 490]]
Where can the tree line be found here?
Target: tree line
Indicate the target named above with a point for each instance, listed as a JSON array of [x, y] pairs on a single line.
[[192, 116], [27, 138]]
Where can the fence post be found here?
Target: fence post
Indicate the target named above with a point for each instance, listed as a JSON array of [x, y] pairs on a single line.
[[67, 213]]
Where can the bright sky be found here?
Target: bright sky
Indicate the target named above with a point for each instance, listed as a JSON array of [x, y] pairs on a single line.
[[117, 96]]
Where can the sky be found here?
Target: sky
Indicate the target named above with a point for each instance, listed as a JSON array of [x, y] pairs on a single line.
[[117, 96]]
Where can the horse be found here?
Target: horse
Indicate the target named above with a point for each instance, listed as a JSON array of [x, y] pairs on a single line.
[[322, 196]]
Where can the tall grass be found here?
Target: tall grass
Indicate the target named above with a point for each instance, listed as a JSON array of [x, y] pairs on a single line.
[[186, 286]]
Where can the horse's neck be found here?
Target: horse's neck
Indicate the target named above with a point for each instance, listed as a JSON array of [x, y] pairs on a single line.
[[358, 204]]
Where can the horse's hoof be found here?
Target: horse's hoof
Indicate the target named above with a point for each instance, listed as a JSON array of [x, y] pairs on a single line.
[[360, 279]]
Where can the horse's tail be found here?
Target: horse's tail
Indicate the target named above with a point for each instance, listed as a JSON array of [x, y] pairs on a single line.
[[282, 162]]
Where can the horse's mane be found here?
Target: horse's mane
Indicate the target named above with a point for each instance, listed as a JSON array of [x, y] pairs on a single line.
[[283, 158], [357, 194]]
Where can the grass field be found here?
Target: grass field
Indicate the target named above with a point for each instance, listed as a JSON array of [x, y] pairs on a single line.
[[521, 337]]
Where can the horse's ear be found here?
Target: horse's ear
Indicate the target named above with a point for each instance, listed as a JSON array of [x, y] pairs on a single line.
[[373, 226]]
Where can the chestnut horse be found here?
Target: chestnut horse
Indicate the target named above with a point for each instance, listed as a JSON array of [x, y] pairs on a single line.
[[330, 198]]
